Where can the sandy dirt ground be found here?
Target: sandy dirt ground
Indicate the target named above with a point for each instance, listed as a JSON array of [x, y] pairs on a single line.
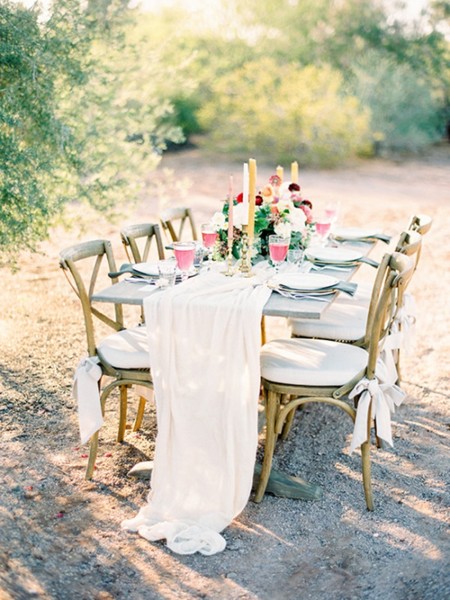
[[59, 534]]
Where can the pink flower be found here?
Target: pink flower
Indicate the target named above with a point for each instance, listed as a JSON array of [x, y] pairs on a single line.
[[275, 180], [308, 213]]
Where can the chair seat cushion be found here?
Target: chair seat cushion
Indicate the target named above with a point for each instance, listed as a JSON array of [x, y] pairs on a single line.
[[311, 362], [345, 319], [342, 321], [127, 349]]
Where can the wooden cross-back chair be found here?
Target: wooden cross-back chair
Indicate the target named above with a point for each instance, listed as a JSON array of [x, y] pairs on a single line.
[[123, 355], [298, 371], [347, 318], [138, 241], [178, 221]]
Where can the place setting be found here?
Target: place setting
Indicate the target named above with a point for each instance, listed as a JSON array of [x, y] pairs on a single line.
[[358, 234], [336, 258], [310, 286]]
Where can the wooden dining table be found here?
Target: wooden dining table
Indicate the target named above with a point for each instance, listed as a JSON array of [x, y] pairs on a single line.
[[134, 293]]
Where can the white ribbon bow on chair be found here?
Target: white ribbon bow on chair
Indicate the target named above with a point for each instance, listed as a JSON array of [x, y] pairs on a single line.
[[86, 392], [401, 337], [404, 324], [383, 397]]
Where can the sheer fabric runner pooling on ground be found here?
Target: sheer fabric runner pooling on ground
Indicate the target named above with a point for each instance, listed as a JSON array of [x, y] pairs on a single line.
[[204, 351]]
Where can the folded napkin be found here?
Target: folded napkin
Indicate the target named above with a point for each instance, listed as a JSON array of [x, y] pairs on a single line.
[[375, 236], [86, 392], [347, 287], [344, 266], [204, 350]]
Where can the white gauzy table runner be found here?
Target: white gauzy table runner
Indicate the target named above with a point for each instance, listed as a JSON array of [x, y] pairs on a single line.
[[204, 355]]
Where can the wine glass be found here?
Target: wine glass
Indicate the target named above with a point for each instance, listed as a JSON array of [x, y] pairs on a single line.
[[184, 254], [331, 211], [209, 237], [323, 226], [278, 249], [295, 256]]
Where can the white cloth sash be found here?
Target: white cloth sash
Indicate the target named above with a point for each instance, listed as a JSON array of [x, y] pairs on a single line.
[[403, 326], [204, 351], [85, 390], [382, 395]]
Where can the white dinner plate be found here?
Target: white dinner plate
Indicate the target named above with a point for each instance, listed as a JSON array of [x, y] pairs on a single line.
[[151, 270], [147, 268], [305, 282], [333, 255], [354, 233]]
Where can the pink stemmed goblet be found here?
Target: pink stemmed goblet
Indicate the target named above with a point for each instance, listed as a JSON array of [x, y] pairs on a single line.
[[184, 254], [323, 226], [209, 237], [278, 249]]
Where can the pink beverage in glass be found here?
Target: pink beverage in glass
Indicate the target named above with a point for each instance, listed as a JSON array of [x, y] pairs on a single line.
[[323, 227], [331, 213], [278, 251], [185, 256], [209, 238]]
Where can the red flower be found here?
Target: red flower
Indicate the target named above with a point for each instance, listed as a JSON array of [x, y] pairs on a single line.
[[258, 200], [294, 187], [239, 197], [308, 203], [275, 180]]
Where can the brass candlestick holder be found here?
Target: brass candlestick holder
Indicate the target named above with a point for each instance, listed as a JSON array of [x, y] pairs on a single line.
[[245, 266], [230, 271]]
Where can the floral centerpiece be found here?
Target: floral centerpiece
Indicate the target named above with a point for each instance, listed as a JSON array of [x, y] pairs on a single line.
[[280, 209]]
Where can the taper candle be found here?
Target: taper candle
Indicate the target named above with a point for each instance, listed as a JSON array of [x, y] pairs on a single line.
[[230, 212], [280, 173], [245, 194], [251, 199], [294, 172]]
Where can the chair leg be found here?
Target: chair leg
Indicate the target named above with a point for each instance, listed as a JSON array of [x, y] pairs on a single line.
[[93, 448], [263, 331], [367, 482], [397, 366], [288, 422], [272, 402], [139, 414], [122, 413]]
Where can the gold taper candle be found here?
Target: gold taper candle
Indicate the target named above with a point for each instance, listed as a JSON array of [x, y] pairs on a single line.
[[280, 173], [294, 172], [245, 194], [251, 199]]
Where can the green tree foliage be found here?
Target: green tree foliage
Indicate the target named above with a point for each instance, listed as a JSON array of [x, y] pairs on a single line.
[[404, 114], [284, 113], [82, 114], [341, 34]]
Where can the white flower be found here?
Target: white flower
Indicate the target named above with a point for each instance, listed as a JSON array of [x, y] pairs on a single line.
[[283, 228], [218, 220], [284, 189], [297, 218], [240, 213]]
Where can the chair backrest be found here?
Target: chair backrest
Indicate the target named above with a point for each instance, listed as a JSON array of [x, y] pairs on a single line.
[[421, 224], [83, 265], [397, 270], [138, 241], [410, 244], [174, 220]]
